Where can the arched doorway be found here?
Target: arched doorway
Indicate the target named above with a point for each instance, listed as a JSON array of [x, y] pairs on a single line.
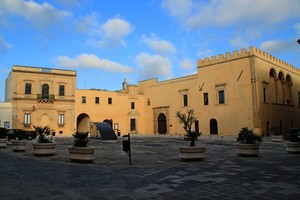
[[83, 123], [162, 124], [213, 127]]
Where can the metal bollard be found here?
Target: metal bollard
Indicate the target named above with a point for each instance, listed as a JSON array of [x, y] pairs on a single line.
[[126, 146]]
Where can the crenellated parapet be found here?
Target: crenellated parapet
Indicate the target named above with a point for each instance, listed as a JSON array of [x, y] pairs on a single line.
[[253, 51]]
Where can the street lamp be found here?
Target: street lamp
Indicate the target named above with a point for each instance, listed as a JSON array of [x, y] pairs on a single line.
[[298, 41]]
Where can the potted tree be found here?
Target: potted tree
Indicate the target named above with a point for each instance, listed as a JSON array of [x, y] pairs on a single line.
[[45, 145], [190, 153], [18, 144], [3, 138], [248, 142], [80, 152], [276, 136], [293, 140]]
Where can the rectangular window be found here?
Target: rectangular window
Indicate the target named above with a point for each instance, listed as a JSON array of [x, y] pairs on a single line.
[[185, 100], [205, 98], [148, 102], [109, 100], [221, 97], [97, 100], [132, 105], [27, 88], [61, 91], [83, 99], [27, 119], [265, 94], [132, 125], [61, 119]]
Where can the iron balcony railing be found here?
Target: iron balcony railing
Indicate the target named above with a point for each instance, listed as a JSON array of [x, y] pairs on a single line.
[[45, 96]]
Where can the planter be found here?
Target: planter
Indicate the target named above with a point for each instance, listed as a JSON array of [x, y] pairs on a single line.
[[191, 153], [293, 147], [81, 154], [247, 149], [44, 149], [18, 145], [3, 142], [276, 138]]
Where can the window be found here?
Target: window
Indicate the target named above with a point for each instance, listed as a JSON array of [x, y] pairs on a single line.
[[27, 119], [109, 100], [132, 125], [61, 119], [61, 91], [265, 95], [97, 100], [132, 105], [27, 88], [205, 98], [83, 99], [148, 102], [185, 100], [221, 97], [45, 91]]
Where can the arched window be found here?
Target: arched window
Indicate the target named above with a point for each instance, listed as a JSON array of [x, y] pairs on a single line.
[[272, 86], [281, 83], [45, 91], [289, 90]]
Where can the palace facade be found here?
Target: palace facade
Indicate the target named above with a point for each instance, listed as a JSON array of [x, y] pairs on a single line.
[[247, 88]]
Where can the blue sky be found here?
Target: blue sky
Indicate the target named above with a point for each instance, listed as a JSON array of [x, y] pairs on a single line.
[[106, 41]]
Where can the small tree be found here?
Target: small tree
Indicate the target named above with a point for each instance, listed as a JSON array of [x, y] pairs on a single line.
[[81, 139], [43, 133], [188, 120]]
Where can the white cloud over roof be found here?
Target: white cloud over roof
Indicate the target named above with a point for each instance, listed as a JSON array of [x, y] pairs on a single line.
[[91, 61]]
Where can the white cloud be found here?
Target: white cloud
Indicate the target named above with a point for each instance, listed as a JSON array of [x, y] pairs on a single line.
[[4, 46], [274, 46], [297, 27], [238, 42], [112, 33], [154, 66], [187, 64], [178, 8], [204, 53], [229, 12], [160, 46], [87, 24], [92, 61], [42, 16]]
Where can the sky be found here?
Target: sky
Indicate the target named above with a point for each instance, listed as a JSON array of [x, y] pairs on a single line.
[[107, 41]]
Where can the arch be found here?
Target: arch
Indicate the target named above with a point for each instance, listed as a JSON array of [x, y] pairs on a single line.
[[213, 126], [289, 90], [45, 91], [281, 85], [162, 123], [272, 85], [83, 123]]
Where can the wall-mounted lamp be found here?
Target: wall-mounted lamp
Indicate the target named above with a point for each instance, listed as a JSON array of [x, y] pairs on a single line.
[[298, 41], [33, 108]]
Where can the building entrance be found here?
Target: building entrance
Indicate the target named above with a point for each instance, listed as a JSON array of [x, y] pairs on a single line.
[[213, 127], [162, 124]]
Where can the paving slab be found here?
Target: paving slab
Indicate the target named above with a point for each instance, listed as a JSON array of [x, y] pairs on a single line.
[[156, 172]]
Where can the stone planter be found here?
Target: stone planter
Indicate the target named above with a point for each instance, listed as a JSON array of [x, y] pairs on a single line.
[[81, 154], [18, 145], [276, 138], [44, 149], [293, 147], [3, 142], [191, 153], [247, 149]]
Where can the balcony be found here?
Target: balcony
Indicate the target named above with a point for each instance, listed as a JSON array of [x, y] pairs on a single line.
[[45, 98]]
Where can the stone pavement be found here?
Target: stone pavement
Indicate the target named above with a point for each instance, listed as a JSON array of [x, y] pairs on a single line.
[[156, 172]]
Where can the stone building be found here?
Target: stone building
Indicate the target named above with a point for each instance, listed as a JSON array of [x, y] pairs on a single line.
[[247, 88], [42, 96]]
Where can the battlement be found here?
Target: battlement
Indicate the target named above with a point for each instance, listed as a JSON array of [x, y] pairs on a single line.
[[245, 53]]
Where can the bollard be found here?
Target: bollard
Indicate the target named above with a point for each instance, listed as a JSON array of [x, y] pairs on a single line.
[[126, 146]]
